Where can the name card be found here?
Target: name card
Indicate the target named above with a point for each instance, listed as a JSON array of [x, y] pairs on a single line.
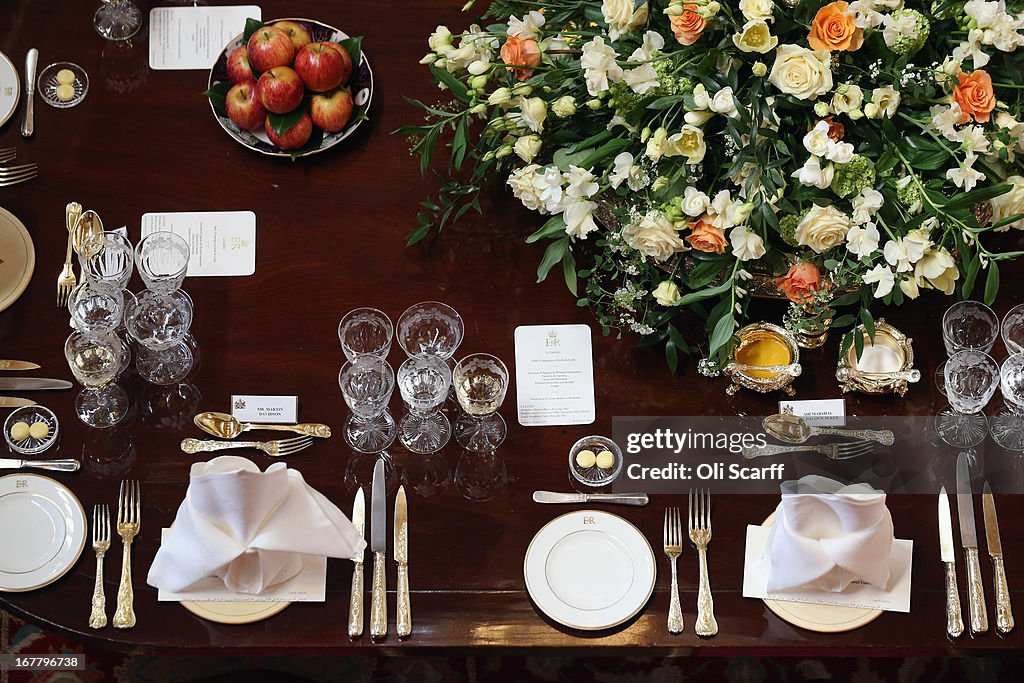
[[274, 409], [825, 412]]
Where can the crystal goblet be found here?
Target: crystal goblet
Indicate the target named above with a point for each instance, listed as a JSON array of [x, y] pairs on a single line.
[[365, 332], [96, 307], [424, 382], [972, 377], [1008, 424], [366, 384], [430, 328], [94, 361], [480, 382], [162, 260], [107, 257], [117, 19]]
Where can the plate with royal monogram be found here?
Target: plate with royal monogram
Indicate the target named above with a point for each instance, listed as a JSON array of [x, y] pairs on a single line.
[[10, 88]]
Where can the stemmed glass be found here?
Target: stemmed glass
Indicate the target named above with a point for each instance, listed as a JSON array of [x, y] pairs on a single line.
[[480, 381], [1008, 425], [117, 19], [424, 382], [162, 260], [966, 325], [95, 361], [107, 257], [96, 307], [365, 332], [367, 384], [1012, 329], [170, 365], [971, 379], [430, 328]]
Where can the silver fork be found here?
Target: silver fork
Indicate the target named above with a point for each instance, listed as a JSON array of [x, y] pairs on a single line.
[[7, 154], [835, 451], [673, 540], [129, 520], [12, 175], [100, 543], [699, 523], [275, 449]]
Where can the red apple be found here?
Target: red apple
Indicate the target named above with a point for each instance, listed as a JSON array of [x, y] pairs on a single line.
[[320, 67], [331, 111], [239, 70], [243, 107], [293, 138], [297, 32], [346, 58], [280, 89], [269, 47]]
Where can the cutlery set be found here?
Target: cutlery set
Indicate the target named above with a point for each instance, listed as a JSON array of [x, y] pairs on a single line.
[[977, 611], [378, 546], [793, 429], [228, 427], [129, 521], [25, 383], [699, 531]]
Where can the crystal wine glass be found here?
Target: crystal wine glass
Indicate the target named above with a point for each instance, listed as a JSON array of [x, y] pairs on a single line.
[[430, 328], [117, 19], [162, 260], [971, 379], [168, 366], [1008, 424], [367, 384], [158, 320], [480, 381], [366, 332], [95, 361], [966, 325], [96, 307], [424, 382], [107, 257], [1012, 329]]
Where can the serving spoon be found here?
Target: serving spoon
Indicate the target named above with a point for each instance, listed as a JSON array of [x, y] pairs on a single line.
[[228, 427], [794, 429]]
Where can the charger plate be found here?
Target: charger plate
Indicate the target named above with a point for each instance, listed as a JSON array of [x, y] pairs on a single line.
[[17, 253], [10, 88]]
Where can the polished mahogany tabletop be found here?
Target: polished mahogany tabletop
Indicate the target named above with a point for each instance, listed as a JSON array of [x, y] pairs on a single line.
[[331, 232]]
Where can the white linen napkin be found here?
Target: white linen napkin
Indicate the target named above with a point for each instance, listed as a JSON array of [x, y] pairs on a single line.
[[249, 528], [827, 535]]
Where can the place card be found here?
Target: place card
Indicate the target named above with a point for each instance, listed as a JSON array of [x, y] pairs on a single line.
[[309, 585], [554, 375], [858, 594], [275, 409], [193, 37], [220, 242], [825, 412]]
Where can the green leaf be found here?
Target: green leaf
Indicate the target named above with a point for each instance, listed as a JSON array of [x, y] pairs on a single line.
[[606, 150], [459, 143], [554, 253], [869, 323], [354, 47], [702, 294], [671, 356], [973, 266], [563, 158], [569, 271], [457, 87], [992, 283], [637, 4], [665, 102], [1006, 221], [858, 343], [722, 333], [417, 235], [981, 194], [553, 227], [847, 343], [218, 94], [251, 26], [281, 123]]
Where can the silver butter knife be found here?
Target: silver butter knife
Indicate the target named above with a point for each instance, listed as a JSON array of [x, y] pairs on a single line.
[[15, 402], [1004, 610], [28, 126], [32, 384], [18, 365], [355, 605], [969, 541], [68, 465], [403, 620], [639, 499], [954, 618]]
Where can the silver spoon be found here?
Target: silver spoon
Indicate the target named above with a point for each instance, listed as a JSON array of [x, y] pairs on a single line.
[[794, 429]]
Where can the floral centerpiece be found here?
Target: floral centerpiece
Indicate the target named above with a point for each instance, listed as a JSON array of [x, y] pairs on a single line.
[[853, 152]]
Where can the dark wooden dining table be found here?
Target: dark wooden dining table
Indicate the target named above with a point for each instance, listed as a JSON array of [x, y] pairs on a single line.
[[331, 233]]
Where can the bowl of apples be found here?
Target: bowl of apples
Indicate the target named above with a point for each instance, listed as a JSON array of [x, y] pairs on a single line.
[[290, 87]]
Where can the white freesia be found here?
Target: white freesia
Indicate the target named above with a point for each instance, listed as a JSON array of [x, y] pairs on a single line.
[[802, 73], [862, 240], [527, 27], [641, 79], [527, 147], [965, 176], [599, 66], [883, 279], [475, 45], [813, 174], [1009, 204], [652, 42], [626, 171], [653, 235], [816, 141], [440, 40], [521, 181], [548, 185], [822, 228], [724, 103], [580, 183], [695, 203], [840, 152], [579, 218], [906, 251], [972, 49], [757, 9], [866, 204], [621, 18], [746, 244], [755, 36]]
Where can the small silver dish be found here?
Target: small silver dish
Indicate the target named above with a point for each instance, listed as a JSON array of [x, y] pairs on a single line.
[[30, 415], [595, 476], [47, 85]]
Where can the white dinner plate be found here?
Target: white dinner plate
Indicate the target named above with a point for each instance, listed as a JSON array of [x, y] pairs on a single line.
[[590, 570], [42, 531], [10, 88], [241, 612], [17, 258]]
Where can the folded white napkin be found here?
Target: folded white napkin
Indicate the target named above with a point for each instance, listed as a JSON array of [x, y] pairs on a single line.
[[827, 535], [249, 528]]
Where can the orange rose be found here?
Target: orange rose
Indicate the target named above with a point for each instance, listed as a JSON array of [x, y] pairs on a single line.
[[706, 236], [800, 283], [833, 29], [836, 130], [975, 96], [520, 53], [689, 26]]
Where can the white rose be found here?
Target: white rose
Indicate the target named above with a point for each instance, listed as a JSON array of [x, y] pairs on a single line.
[[813, 174], [621, 18], [521, 182], [755, 36], [695, 202], [847, 98], [564, 106], [666, 293], [862, 241], [800, 72], [1009, 204], [866, 204], [823, 228], [534, 111], [757, 9], [654, 236], [882, 277], [579, 218], [689, 142], [817, 141], [526, 147], [746, 245]]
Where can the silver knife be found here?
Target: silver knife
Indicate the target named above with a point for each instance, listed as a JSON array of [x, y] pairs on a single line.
[[28, 126], [954, 618], [638, 499], [17, 365], [969, 541], [32, 384], [403, 621], [68, 465], [379, 546], [355, 604], [15, 402], [1004, 611]]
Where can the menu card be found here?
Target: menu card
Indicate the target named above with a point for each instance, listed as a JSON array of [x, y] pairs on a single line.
[[221, 242], [193, 37], [554, 375]]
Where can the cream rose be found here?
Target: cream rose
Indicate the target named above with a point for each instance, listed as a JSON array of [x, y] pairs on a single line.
[[1009, 204], [667, 293], [654, 236], [823, 228], [847, 98], [621, 18], [757, 9], [755, 36], [534, 111], [800, 72], [526, 147], [695, 202]]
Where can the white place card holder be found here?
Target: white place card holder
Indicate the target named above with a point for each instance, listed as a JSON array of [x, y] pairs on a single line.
[[825, 412], [554, 375], [193, 37], [220, 242]]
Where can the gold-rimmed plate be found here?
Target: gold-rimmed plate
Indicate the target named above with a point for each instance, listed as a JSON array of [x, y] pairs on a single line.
[[238, 612], [17, 258], [42, 531], [10, 88]]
